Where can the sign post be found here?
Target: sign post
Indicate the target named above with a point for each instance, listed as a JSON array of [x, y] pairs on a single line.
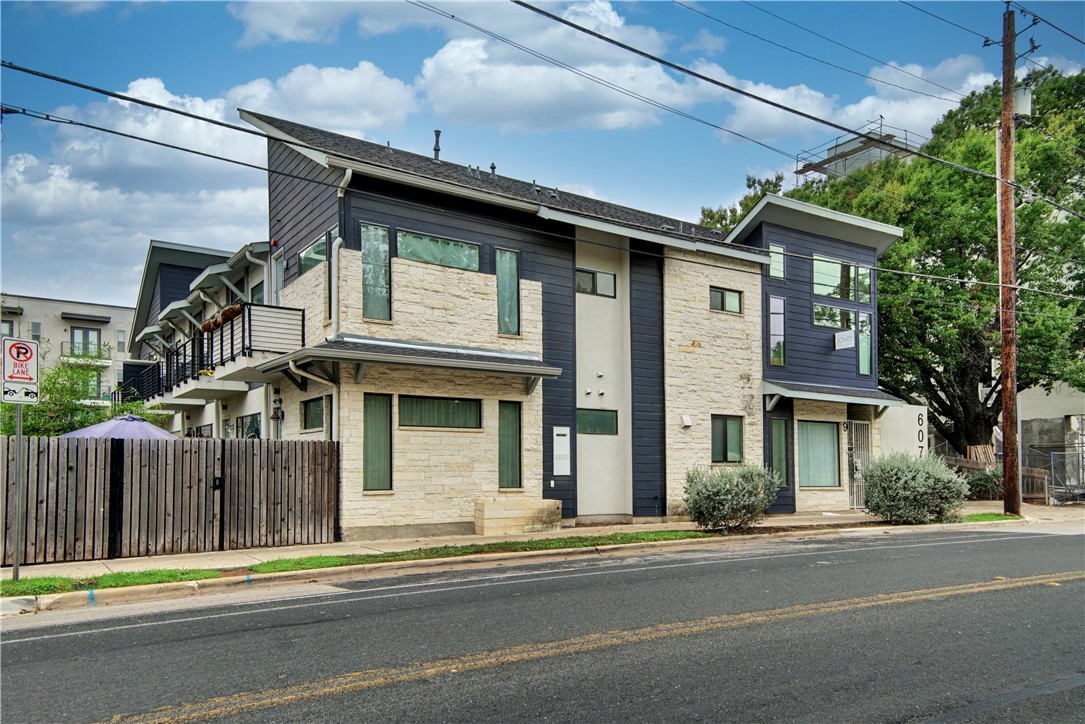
[[20, 388]]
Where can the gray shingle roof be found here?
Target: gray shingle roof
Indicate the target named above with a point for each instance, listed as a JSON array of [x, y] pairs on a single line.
[[482, 180]]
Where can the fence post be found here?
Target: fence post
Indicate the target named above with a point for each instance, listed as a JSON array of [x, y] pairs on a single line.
[[115, 514]]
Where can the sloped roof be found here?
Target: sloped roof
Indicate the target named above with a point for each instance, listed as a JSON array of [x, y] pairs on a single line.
[[525, 194]]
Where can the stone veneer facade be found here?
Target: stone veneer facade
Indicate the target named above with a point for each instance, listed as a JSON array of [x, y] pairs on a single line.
[[821, 499], [712, 361], [439, 474]]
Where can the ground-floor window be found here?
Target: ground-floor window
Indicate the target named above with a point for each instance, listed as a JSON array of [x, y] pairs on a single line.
[[439, 412], [778, 449], [377, 442], [509, 445], [819, 454], [312, 414], [726, 439], [248, 426]]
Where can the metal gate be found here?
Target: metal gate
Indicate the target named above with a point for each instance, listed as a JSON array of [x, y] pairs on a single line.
[[859, 444]]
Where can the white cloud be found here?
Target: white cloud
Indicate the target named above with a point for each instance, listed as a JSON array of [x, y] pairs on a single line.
[[706, 42], [582, 190], [303, 22]]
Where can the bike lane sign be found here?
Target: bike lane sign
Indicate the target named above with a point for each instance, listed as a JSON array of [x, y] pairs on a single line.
[[20, 371]]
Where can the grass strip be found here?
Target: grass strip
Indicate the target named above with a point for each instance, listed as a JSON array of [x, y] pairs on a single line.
[[43, 586], [988, 517]]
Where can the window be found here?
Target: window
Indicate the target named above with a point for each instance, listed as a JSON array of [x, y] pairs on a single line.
[[312, 414], [725, 300], [201, 431], [227, 427], [776, 261], [248, 426], [865, 352], [834, 278], [35, 331], [601, 284], [8, 329], [436, 250], [864, 285], [120, 376], [596, 422], [439, 412], [256, 293], [278, 275], [86, 341], [313, 254], [508, 445], [507, 264], [826, 316], [121, 340], [778, 452], [377, 442], [776, 330], [819, 456], [726, 439], [376, 272]]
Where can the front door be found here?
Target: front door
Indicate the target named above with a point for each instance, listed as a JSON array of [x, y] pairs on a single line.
[[778, 459]]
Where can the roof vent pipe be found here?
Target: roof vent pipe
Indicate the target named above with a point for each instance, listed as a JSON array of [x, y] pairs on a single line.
[[437, 145], [493, 170]]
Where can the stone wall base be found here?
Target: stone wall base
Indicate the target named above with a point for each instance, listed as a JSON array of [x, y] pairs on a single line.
[[418, 530], [499, 517]]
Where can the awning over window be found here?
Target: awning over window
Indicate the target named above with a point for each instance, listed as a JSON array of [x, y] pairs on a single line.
[[81, 317], [363, 351], [828, 393]]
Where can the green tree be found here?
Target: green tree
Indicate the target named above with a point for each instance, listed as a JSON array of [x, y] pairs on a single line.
[[726, 218], [59, 409], [938, 338]]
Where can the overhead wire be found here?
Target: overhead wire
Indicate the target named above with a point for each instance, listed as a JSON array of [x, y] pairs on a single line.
[[986, 39], [787, 109], [812, 57], [1026, 11]]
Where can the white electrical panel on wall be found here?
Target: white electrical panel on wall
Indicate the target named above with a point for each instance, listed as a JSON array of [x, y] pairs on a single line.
[[562, 455]]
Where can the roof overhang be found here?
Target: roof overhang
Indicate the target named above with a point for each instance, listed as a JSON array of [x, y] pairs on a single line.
[[81, 317], [210, 278], [826, 393], [813, 219], [588, 222], [363, 351]]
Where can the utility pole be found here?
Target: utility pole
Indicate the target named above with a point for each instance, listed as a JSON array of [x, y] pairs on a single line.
[[1007, 223]]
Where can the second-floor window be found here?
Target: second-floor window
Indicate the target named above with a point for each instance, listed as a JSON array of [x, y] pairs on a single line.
[[599, 283], [776, 261], [256, 293], [726, 439], [437, 250], [376, 272], [317, 251], [278, 275], [835, 317], [725, 300], [8, 328], [507, 266], [865, 344], [776, 330], [86, 340], [842, 280]]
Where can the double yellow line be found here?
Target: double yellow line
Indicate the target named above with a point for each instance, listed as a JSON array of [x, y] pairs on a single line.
[[371, 678]]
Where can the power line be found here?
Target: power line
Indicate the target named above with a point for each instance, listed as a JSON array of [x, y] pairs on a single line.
[[1026, 11], [848, 47], [986, 39], [976, 307], [812, 57], [787, 109]]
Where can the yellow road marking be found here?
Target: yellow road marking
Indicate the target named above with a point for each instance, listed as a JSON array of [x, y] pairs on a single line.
[[371, 678]]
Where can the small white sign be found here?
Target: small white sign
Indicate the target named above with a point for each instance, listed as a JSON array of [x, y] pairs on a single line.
[[20, 371], [844, 340]]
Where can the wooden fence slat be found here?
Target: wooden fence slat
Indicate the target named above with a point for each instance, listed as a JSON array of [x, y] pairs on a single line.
[[77, 506], [7, 523], [35, 508]]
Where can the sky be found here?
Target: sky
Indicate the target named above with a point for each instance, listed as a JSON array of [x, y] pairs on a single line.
[[79, 206]]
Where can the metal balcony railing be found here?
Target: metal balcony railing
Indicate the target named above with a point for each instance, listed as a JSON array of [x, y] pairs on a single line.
[[86, 350]]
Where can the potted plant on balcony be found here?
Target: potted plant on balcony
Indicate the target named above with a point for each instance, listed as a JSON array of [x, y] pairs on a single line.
[[230, 312]]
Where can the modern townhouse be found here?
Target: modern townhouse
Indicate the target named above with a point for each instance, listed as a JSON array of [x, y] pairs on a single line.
[[69, 332], [492, 354]]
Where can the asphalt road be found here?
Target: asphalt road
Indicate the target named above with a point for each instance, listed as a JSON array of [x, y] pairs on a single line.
[[948, 626]]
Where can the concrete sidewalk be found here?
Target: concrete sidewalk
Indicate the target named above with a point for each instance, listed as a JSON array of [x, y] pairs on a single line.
[[242, 559]]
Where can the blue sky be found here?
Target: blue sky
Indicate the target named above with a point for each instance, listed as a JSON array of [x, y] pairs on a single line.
[[79, 206]]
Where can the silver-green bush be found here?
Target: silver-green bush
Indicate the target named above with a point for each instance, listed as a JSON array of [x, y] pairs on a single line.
[[906, 490], [729, 499]]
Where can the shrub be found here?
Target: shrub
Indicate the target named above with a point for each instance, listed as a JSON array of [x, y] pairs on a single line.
[[986, 485], [906, 490], [729, 499]]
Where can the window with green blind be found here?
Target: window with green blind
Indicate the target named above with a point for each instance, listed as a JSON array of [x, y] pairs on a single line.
[[778, 430], [726, 439], [377, 442], [312, 414], [596, 422], [507, 266], [508, 445], [436, 250], [725, 300], [819, 455], [439, 412], [376, 272]]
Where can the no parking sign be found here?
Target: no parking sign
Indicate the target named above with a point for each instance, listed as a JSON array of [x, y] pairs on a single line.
[[20, 371]]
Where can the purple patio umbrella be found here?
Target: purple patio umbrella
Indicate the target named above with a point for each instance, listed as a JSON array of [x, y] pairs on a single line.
[[130, 427]]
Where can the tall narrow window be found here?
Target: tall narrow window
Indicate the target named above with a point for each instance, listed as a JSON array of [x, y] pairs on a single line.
[[278, 267], [779, 449], [776, 330], [819, 455], [35, 331], [776, 261], [865, 352], [121, 341], [376, 273], [9, 328], [508, 445], [507, 265], [256, 293], [864, 284], [377, 442], [726, 439]]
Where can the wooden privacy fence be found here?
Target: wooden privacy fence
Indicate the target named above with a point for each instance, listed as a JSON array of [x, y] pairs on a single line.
[[89, 499]]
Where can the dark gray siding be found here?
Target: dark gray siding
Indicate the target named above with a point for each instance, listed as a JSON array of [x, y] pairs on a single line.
[[646, 348], [546, 256], [302, 202], [810, 356]]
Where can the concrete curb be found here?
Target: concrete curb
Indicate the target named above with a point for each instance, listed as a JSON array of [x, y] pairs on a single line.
[[211, 586]]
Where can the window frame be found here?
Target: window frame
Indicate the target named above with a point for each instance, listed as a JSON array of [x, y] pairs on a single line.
[[278, 275], [368, 312], [306, 255], [724, 447], [802, 471], [777, 252], [780, 338], [864, 342], [84, 347], [846, 317], [477, 402], [7, 328], [476, 245], [304, 408], [506, 454], [368, 467], [590, 411], [595, 273], [242, 424], [722, 294], [498, 250]]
